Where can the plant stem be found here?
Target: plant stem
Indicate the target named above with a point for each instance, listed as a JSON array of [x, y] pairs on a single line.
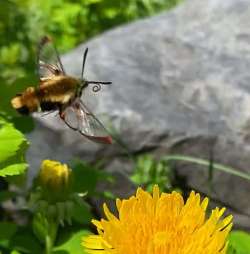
[[229, 170], [51, 237], [49, 244]]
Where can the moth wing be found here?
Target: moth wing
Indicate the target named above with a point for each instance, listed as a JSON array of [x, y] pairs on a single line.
[[78, 117], [49, 62], [70, 117]]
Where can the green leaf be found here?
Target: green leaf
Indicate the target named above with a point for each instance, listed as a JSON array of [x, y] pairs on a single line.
[[7, 231], [25, 242], [10, 141], [70, 243], [14, 169], [239, 242], [81, 213], [13, 145], [86, 177]]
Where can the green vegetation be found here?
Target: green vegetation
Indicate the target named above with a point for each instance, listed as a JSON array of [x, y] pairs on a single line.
[[12, 149], [148, 172], [239, 242]]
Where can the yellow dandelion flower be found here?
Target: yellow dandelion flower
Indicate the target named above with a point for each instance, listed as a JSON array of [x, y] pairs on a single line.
[[160, 223]]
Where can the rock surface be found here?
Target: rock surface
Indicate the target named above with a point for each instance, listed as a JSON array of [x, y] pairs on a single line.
[[181, 82]]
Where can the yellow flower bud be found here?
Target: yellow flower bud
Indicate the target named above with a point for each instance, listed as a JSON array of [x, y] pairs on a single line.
[[54, 179], [54, 197]]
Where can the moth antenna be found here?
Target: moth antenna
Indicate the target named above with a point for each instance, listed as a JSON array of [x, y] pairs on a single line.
[[84, 61], [99, 82]]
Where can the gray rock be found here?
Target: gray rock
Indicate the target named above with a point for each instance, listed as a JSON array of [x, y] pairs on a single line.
[[181, 80]]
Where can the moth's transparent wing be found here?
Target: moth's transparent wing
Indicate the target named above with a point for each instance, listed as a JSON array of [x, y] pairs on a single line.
[[91, 127], [70, 117], [49, 63], [78, 117]]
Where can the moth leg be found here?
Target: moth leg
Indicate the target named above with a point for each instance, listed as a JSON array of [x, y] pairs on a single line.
[[47, 113]]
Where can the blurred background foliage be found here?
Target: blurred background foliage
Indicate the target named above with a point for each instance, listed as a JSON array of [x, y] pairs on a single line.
[[69, 22]]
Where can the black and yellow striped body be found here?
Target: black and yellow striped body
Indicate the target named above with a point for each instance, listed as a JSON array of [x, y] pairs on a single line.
[[52, 94]]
